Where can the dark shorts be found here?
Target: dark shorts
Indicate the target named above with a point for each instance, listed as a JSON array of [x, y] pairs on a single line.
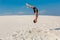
[[35, 9]]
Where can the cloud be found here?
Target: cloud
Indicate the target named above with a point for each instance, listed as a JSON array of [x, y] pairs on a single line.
[[46, 12], [7, 13], [20, 13], [13, 13], [42, 12]]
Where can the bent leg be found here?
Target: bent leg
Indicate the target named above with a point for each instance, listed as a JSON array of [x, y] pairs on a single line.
[[30, 6]]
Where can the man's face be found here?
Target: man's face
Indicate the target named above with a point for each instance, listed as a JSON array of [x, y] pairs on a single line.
[[34, 21]]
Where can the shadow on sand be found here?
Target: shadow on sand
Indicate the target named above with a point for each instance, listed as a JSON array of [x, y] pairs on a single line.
[[57, 29]]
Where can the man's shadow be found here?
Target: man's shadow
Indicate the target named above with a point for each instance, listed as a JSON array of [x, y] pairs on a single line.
[[57, 29]]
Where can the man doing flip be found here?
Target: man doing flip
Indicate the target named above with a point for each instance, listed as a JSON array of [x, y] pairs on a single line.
[[35, 12]]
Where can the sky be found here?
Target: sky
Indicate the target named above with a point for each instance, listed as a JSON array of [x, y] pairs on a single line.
[[18, 7]]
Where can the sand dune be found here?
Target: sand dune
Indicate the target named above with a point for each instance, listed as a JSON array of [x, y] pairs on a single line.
[[23, 28]]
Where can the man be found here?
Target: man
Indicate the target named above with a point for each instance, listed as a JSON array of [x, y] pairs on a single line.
[[35, 12]]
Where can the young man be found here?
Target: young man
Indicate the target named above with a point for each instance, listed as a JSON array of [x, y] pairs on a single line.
[[35, 12]]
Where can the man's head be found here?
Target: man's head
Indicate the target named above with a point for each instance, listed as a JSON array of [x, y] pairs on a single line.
[[35, 20]]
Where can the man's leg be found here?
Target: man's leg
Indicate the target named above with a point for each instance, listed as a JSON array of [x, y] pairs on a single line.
[[28, 5]]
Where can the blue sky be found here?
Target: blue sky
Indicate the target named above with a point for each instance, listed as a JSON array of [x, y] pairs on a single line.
[[18, 7]]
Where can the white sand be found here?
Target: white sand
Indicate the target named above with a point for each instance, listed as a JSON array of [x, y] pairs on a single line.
[[23, 28]]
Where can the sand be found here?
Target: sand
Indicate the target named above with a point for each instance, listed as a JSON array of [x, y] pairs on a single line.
[[22, 27]]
